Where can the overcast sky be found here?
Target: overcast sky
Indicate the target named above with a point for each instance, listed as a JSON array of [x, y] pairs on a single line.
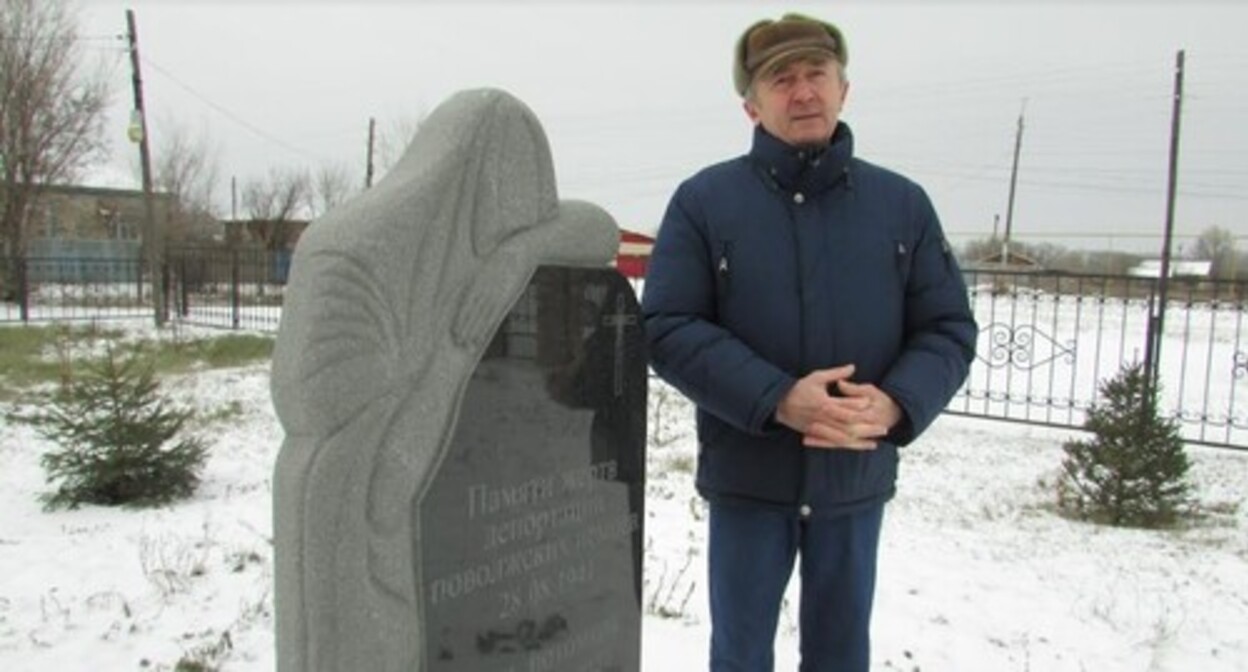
[[635, 96]]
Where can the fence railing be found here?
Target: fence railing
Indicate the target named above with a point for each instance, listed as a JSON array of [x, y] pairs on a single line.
[[1047, 341], [45, 289], [213, 287], [230, 288]]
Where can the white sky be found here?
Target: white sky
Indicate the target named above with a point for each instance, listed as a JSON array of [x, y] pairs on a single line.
[[635, 96]]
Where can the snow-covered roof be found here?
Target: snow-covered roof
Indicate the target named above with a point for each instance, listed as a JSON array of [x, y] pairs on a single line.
[[1151, 268]]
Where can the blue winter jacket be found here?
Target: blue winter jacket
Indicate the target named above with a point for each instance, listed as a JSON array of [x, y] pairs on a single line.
[[784, 261]]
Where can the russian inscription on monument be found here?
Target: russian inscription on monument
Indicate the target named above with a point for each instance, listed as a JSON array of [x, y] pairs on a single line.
[[532, 527]]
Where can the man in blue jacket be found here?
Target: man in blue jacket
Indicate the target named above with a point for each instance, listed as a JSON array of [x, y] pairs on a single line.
[[808, 303]]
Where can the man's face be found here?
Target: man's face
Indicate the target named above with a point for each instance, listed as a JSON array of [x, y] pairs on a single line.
[[800, 102]]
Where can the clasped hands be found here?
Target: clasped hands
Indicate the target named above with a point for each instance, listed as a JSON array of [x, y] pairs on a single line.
[[854, 420]]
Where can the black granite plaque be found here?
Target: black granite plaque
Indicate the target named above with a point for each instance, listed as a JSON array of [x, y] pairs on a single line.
[[530, 534]]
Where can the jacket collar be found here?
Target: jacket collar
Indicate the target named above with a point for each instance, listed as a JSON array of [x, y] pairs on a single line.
[[792, 169]]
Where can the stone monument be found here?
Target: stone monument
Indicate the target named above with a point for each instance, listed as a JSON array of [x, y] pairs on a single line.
[[462, 387]]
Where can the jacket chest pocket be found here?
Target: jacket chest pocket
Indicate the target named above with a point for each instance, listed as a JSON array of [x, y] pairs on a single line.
[[949, 262], [723, 265], [935, 267], [903, 260]]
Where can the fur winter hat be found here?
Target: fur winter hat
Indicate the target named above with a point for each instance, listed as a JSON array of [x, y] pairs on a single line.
[[765, 43]]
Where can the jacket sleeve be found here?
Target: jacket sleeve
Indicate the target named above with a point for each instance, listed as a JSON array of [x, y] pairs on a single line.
[[688, 347], [940, 331]]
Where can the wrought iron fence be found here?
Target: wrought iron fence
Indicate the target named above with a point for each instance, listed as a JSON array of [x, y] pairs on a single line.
[[1047, 341], [56, 288], [228, 288]]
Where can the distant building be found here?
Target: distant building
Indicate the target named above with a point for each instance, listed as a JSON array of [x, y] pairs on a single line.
[[79, 234], [1006, 260], [1151, 268], [66, 213]]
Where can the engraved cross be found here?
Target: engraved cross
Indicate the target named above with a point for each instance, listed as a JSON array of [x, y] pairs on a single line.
[[620, 320]]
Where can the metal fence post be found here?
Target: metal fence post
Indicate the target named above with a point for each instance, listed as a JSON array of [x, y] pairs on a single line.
[[184, 287], [23, 289], [1151, 337], [1156, 333], [162, 306], [234, 287]]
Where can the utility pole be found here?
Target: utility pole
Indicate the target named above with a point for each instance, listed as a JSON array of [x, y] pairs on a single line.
[[1157, 317], [372, 136], [153, 241], [1009, 208]]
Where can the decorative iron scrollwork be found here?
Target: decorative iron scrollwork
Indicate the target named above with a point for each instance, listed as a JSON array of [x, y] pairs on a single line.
[[1025, 347], [1241, 365], [1212, 420]]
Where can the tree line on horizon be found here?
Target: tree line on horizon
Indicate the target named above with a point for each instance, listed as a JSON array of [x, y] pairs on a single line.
[[1215, 244]]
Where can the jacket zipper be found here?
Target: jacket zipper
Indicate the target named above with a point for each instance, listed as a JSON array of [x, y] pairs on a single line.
[[803, 356]]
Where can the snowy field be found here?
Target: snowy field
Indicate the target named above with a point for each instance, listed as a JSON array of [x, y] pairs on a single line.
[[977, 572]]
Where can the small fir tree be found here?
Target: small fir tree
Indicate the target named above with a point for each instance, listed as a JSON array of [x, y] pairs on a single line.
[[115, 437], [1133, 472]]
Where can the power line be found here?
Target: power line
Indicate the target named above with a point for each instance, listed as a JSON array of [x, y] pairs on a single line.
[[230, 114], [102, 38]]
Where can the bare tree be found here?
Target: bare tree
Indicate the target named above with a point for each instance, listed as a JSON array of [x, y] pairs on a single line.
[[51, 110], [331, 186], [276, 201], [186, 168], [1216, 244], [980, 248]]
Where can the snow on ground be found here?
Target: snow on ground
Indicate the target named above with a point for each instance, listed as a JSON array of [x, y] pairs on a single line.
[[977, 573]]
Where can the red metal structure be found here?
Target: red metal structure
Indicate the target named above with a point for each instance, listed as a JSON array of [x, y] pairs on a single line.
[[634, 256]]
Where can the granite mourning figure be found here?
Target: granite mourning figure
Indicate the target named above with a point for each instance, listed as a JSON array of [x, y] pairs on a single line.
[[392, 299]]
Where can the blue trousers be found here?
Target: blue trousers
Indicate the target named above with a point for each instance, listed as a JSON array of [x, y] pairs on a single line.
[[750, 557]]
